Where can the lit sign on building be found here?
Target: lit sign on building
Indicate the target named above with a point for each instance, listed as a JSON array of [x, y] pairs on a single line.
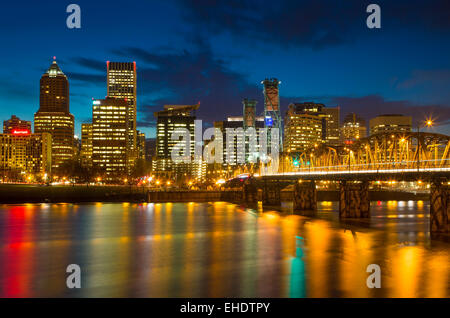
[[24, 132], [269, 121]]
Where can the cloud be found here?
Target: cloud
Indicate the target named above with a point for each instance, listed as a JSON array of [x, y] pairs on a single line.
[[87, 78], [439, 79], [189, 77], [20, 91], [373, 105], [316, 24], [92, 64]]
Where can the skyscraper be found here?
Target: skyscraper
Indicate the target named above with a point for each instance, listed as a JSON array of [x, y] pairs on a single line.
[[121, 82], [169, 119], [53, 115], [16, 124], [110, 136]]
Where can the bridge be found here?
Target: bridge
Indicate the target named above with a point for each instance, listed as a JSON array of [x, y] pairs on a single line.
[[412, 156]]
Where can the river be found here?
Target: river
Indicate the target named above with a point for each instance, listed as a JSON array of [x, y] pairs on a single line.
[[218, 249]]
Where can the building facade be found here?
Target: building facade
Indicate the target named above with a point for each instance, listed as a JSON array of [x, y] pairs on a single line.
[[353, 128], [140, 142], [16, 124], [169, 119], [331, 127], [22, 154], [121, 83], [390, 123], [308, 125], [110, 138], [53, 115], [86, 144]]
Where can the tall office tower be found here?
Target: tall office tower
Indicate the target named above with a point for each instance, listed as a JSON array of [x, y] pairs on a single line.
[[332, 129], [22, 152], [16, 124], [249, 113], [272, 116], [140, 143], [353, 128], [110, 143], [53, 115], [390, 123], [86, 144], [121, 81], [303, 127], [167, 120]]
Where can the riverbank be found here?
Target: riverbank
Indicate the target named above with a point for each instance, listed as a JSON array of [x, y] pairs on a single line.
[[20, 193]]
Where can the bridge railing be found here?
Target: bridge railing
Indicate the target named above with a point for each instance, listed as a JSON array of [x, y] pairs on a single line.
[[395, 167]]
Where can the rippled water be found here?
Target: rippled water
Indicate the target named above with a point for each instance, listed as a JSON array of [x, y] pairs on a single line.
[[218, 250]]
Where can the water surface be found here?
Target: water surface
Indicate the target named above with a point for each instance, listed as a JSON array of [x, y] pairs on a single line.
[[218, 249]]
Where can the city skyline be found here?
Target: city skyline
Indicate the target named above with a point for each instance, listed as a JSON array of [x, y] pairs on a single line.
[[184, 60], [217, 152]]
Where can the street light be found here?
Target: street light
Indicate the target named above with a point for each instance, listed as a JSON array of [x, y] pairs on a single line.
[[428, 123]]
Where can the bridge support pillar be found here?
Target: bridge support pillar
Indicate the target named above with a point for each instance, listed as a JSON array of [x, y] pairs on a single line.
[[305, 196], [439, 208], [271, 194], [354, 200], [250, 192]]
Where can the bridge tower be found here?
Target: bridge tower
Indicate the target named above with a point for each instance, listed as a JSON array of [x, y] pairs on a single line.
[[272, 115]]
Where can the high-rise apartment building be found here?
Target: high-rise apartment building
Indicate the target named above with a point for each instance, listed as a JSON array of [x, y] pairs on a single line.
[[110, 143], [15, 124], [390, 123], [53, 115], [86, 144], [353, 128], [121, 83]]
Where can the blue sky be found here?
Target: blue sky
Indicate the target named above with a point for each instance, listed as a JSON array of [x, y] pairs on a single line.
[[217, 52]]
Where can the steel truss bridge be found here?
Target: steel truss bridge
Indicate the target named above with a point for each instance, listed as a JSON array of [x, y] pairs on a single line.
[[379, 154], [410, 156]]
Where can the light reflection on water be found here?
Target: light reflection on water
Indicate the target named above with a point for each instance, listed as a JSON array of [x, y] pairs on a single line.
[[218, 249]]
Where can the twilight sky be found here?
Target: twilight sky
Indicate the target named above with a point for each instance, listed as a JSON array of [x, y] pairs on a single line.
[[217, 52]]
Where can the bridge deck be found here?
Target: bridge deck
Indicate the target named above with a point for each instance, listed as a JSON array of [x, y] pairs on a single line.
[[423, 174]]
